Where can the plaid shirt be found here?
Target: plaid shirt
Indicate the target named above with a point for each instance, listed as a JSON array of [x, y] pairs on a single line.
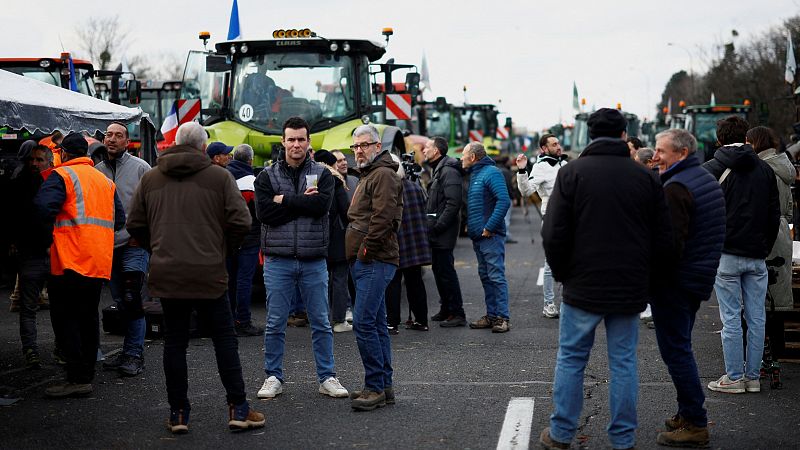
[[413, 235]]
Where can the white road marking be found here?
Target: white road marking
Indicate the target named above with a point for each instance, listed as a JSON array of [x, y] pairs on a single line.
[[516, 432], [540, 280]]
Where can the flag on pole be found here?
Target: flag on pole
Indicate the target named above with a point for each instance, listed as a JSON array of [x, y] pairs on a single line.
[[576, 104], [73, 83], [791, 64], [425, 76], [234, 32]]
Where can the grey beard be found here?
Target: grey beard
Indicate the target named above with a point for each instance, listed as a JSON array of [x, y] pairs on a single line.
[[368, 162]]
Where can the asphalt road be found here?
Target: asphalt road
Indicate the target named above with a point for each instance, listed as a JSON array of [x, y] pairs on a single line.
[[453, 386]]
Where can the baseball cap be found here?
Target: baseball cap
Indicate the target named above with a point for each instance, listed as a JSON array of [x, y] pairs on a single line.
[[218, 148], [74, 144]]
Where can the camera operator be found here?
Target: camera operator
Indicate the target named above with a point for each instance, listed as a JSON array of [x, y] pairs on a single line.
[[415, 252]]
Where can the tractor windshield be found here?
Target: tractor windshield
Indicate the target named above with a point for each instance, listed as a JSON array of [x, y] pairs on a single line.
[[438, 123], [270, 88]]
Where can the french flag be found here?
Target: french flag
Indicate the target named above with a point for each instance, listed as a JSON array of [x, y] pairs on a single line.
[[182, 111]]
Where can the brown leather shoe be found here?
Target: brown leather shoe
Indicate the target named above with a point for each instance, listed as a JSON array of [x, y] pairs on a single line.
[[501, 325], [548, 443], [368, 400], [389, 392], [674, 422], [686, 436], [483, 322], [244, 417]]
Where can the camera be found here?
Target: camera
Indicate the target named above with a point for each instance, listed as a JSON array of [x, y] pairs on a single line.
[[410, 166]]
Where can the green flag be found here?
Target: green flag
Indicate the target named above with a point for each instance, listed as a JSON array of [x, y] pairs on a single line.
[[576, 104]]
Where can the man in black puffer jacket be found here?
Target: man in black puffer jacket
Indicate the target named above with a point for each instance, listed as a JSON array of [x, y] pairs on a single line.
[[606, 226], [753, 216]]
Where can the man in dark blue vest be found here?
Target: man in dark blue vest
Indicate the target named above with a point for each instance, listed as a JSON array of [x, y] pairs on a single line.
[[293, 197], [697, 211]]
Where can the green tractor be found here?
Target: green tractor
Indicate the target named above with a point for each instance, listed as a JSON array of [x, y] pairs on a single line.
[[580, 133], [248, 88], [701, 121]]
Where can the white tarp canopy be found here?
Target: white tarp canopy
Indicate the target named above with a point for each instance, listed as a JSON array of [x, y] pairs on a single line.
[[32, 105]]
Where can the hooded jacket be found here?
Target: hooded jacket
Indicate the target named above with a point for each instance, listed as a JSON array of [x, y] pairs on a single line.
[[375, 213], [444, 203], [245, 181], [125, 172], [751, 201], [487, 199], [780, 287], [542, 178], [606, 228], [188, 213]]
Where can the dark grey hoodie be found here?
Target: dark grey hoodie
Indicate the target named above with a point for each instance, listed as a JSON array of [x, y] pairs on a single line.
[[751, 200]]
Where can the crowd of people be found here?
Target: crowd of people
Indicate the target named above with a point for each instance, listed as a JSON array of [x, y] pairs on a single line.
[[196, 227]]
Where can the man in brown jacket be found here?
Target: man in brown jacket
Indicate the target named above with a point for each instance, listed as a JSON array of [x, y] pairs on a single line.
[[371, 247], [187, 212]]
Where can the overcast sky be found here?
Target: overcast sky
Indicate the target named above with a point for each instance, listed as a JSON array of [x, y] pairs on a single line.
[[524, 53]]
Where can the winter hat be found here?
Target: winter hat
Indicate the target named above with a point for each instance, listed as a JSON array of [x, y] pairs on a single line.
[[25, 150], [606, 122], [325, 156]]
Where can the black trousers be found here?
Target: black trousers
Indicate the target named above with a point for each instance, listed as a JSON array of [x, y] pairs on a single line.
[[73, 311], [444, 272], [217, 314], [415, 291]]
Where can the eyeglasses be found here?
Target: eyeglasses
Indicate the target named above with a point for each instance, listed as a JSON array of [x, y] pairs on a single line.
[[363, 146]]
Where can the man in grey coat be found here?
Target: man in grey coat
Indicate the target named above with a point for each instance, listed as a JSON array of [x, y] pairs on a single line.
[[130, 259]]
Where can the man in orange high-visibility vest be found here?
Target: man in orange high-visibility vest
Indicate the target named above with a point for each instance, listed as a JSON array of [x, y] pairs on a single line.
[[84, 209]]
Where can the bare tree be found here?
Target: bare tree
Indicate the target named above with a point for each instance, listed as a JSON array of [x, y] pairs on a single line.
[[752, 70], [103, 39]]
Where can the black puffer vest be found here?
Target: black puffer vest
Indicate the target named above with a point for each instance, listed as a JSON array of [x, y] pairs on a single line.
[[698, 266], [305, 237]]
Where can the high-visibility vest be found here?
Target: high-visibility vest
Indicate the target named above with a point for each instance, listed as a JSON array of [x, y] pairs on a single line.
[[83, 235], [48, 142]]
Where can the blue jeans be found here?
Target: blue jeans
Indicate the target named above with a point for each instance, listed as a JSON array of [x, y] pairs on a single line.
[[284, 278], [547, 285], [507, 220], [369, 322], [575, 341], [674, 314], [491, 253], [742, 281], [241, 267], [126, 261], [33, 272]]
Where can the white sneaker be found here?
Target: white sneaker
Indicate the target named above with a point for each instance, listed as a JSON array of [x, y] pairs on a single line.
[[342, 327], [725, 384], [348, 316], [550, 310], [646, 315], [272, 387], [333, 388], [752, 385]]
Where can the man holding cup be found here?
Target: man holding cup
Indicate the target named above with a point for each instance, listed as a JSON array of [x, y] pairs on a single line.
[[293, 197]]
